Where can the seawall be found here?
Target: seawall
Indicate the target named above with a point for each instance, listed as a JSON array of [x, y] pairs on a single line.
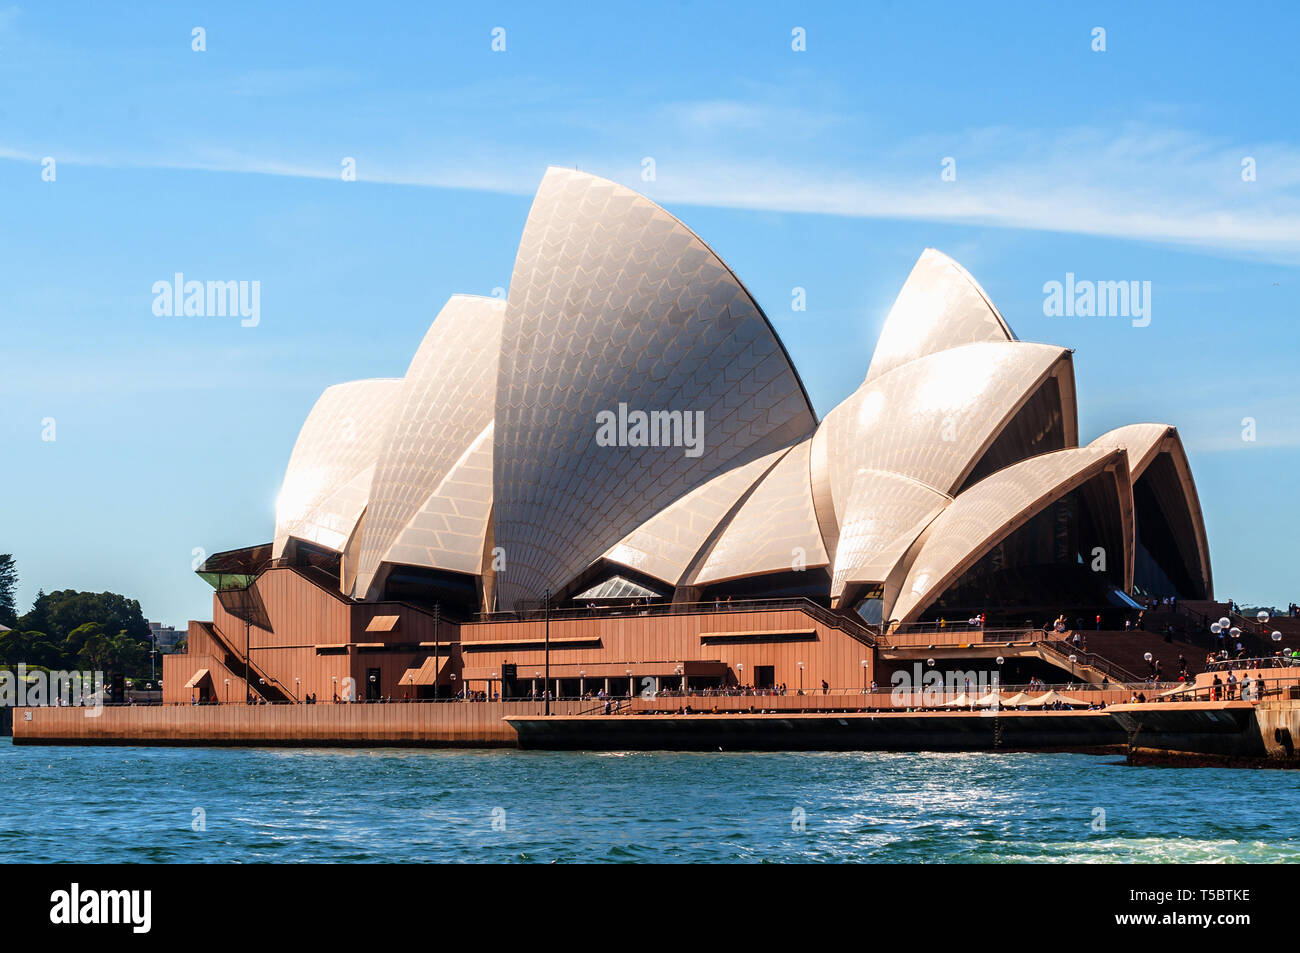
[[477, 724], [1235, 731], [844, 731]]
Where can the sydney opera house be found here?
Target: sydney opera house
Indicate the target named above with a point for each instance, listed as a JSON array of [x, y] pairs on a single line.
[[618, 466]]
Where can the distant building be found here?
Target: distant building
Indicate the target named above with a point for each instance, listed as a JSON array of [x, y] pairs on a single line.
[[165, 636]]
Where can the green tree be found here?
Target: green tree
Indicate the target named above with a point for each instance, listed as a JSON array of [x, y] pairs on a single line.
[[129, 656], [8, 591], [95, 651], [31, 648], [43, 649], [36, 620], [78, 637], [58, 613], [111, 654], [13, 647]]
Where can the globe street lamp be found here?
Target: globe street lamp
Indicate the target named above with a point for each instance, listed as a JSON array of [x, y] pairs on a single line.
[[864, 676], [800, 664]]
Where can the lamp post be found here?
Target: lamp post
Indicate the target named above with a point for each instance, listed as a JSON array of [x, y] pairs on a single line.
[[335, 680], [227, 691], [999, 660], [582, 683], [453, 685], [546, 685], [372, 687], [630, 685], [864, 676], [297, 687], [437, 645], [800, 664], [740, 677]]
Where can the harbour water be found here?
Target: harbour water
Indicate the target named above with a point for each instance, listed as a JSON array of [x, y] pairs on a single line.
[[104, 804]]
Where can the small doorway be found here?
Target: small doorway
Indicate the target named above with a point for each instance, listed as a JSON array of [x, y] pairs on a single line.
[[765, 676]]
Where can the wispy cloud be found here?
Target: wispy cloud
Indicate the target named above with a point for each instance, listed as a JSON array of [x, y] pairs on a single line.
[[1143, 183]]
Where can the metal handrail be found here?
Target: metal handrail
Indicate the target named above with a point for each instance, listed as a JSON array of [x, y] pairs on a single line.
[[251, 667], [1258, 662], [1065, 649], [975, 635]]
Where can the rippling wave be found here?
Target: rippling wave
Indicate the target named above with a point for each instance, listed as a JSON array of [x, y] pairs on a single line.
[[143, 804]]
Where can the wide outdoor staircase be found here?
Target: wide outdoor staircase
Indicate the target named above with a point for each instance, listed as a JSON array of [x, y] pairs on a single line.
[[1088, 666], [843, 621], [1190, 622], [1121, 655], [1168, 632], [270, 689]]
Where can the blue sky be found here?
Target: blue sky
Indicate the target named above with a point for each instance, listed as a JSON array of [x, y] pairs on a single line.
[[817, 169]]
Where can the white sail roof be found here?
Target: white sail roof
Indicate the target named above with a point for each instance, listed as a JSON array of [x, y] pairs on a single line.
[[327, 482], [617, 307], [445, 402]]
